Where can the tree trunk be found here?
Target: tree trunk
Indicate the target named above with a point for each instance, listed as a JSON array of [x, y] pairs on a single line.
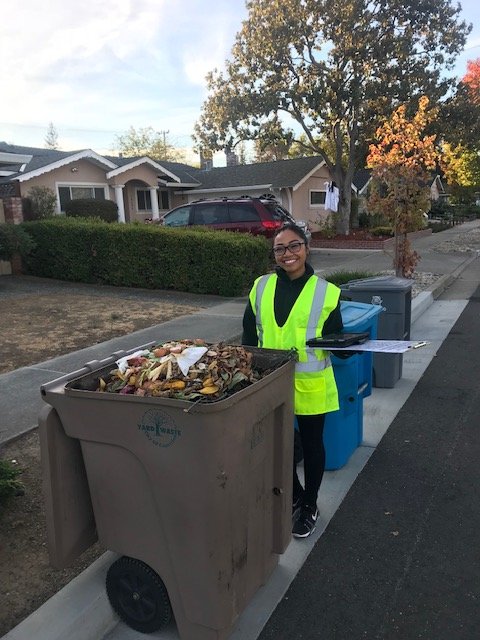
[[397, 260], [342, 218]]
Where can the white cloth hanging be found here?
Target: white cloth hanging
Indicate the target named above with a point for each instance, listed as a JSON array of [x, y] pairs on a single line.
[[332, 197]]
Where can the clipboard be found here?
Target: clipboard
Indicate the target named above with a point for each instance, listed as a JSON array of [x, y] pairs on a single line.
[[338, 340]]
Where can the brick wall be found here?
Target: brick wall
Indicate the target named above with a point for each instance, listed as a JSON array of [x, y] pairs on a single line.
[[11, 213], [12, 210]]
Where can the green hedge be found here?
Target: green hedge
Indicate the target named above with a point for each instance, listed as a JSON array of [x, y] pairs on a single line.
[[106, 210], [382, 231], [148, 256]]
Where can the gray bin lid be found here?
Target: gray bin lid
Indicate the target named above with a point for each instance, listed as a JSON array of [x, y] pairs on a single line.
[[379, 283]]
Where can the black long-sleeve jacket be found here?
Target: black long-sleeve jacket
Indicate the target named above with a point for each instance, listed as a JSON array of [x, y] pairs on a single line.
[[286, 294]]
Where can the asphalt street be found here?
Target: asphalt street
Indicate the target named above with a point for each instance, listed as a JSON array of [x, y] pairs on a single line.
[[399, 559]]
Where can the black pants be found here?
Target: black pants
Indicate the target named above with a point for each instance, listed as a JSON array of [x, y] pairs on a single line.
[[310, 430]]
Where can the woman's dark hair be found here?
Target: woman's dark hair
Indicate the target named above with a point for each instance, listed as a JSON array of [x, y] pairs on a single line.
[[291, 226]]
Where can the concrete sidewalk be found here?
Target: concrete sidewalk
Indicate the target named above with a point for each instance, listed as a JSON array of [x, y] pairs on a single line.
[[81, 610]]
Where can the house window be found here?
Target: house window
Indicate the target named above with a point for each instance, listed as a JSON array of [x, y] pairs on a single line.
[[144, 200], [163, 199], [317, 198], [76, 192]]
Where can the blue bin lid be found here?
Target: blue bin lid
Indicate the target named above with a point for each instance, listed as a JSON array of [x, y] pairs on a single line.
[[355, 314]]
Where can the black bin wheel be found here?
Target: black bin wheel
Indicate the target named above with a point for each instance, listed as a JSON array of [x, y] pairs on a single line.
[[138, 595]]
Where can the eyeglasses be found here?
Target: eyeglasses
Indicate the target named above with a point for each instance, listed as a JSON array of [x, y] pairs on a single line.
[[293, 247]]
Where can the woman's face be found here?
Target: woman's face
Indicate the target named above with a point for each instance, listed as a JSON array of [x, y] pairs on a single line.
[[293, 259]]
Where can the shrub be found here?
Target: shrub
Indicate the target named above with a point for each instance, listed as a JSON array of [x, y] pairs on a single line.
[[371, 220], [14, 240], [105, 210], [382, 231], [327, 226], [441, 210], [439, 226], [40, 203], [9, 484], [462, 212]]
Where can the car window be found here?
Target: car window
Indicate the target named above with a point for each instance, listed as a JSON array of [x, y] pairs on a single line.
[[242, 212], [210, 213], [278, 212], [178, 217]]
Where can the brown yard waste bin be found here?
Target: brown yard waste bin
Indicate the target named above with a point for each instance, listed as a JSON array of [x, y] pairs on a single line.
[[195, 497]]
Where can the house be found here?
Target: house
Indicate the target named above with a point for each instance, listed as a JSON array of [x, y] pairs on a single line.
[[362, 178], [141, 187], [146, 188]]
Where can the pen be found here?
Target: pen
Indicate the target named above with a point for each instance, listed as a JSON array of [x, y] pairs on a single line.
[[419, 344]]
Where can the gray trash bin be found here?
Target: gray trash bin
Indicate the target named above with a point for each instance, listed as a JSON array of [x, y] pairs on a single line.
[[195, 497], [395, 295]]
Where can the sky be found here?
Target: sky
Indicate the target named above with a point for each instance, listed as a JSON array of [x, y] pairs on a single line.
[[97, 67]]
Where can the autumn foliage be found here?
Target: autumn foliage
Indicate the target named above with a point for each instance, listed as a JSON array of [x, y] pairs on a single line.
[[472, 80], [400, 160]]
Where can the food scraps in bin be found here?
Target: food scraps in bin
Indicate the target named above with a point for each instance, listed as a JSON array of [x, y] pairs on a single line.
[[186, 370]]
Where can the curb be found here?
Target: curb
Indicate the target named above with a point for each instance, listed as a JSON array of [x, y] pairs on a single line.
[[81, 610]]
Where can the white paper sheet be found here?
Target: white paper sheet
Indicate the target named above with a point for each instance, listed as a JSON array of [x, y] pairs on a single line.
[[385, 346]]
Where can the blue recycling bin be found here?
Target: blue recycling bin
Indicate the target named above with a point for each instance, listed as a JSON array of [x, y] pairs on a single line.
[[343, 431], [358, 317]]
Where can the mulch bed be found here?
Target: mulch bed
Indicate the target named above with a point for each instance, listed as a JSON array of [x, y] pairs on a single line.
[[358, 239]]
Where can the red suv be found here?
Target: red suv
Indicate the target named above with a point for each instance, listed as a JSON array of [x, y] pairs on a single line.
[[259, 216]]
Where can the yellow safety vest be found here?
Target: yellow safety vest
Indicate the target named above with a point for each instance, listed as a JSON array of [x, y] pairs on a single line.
[[315, 387]]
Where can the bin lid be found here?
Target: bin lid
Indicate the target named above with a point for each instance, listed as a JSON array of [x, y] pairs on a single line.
[[357, 314], [379, 283]]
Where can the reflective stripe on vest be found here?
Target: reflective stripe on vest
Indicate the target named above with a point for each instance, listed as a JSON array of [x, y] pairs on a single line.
[[262, 283], [312, 364]]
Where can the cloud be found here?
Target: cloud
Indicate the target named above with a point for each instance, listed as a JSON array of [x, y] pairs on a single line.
[[61, 54], [65, 31]]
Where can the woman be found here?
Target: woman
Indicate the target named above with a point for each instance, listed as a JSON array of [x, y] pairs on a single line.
[[285, 309]]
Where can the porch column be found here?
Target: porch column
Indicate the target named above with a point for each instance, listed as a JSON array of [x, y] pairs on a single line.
[[119, 200], [154, 201]]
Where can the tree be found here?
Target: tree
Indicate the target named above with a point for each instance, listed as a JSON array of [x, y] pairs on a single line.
[[461, 165], [458, 130], [472, 80], [459, 120], [242, 153], [331, 71], [145, 141], [400, 160], [51, 139], [272, 143]]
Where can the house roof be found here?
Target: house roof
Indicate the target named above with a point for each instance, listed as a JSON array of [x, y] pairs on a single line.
[[361, 179], [266, 175], [38, 157], [175, 172], [278, 174], [43, 160]]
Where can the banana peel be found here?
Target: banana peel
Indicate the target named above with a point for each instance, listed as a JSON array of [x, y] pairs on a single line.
[[206, 391]]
